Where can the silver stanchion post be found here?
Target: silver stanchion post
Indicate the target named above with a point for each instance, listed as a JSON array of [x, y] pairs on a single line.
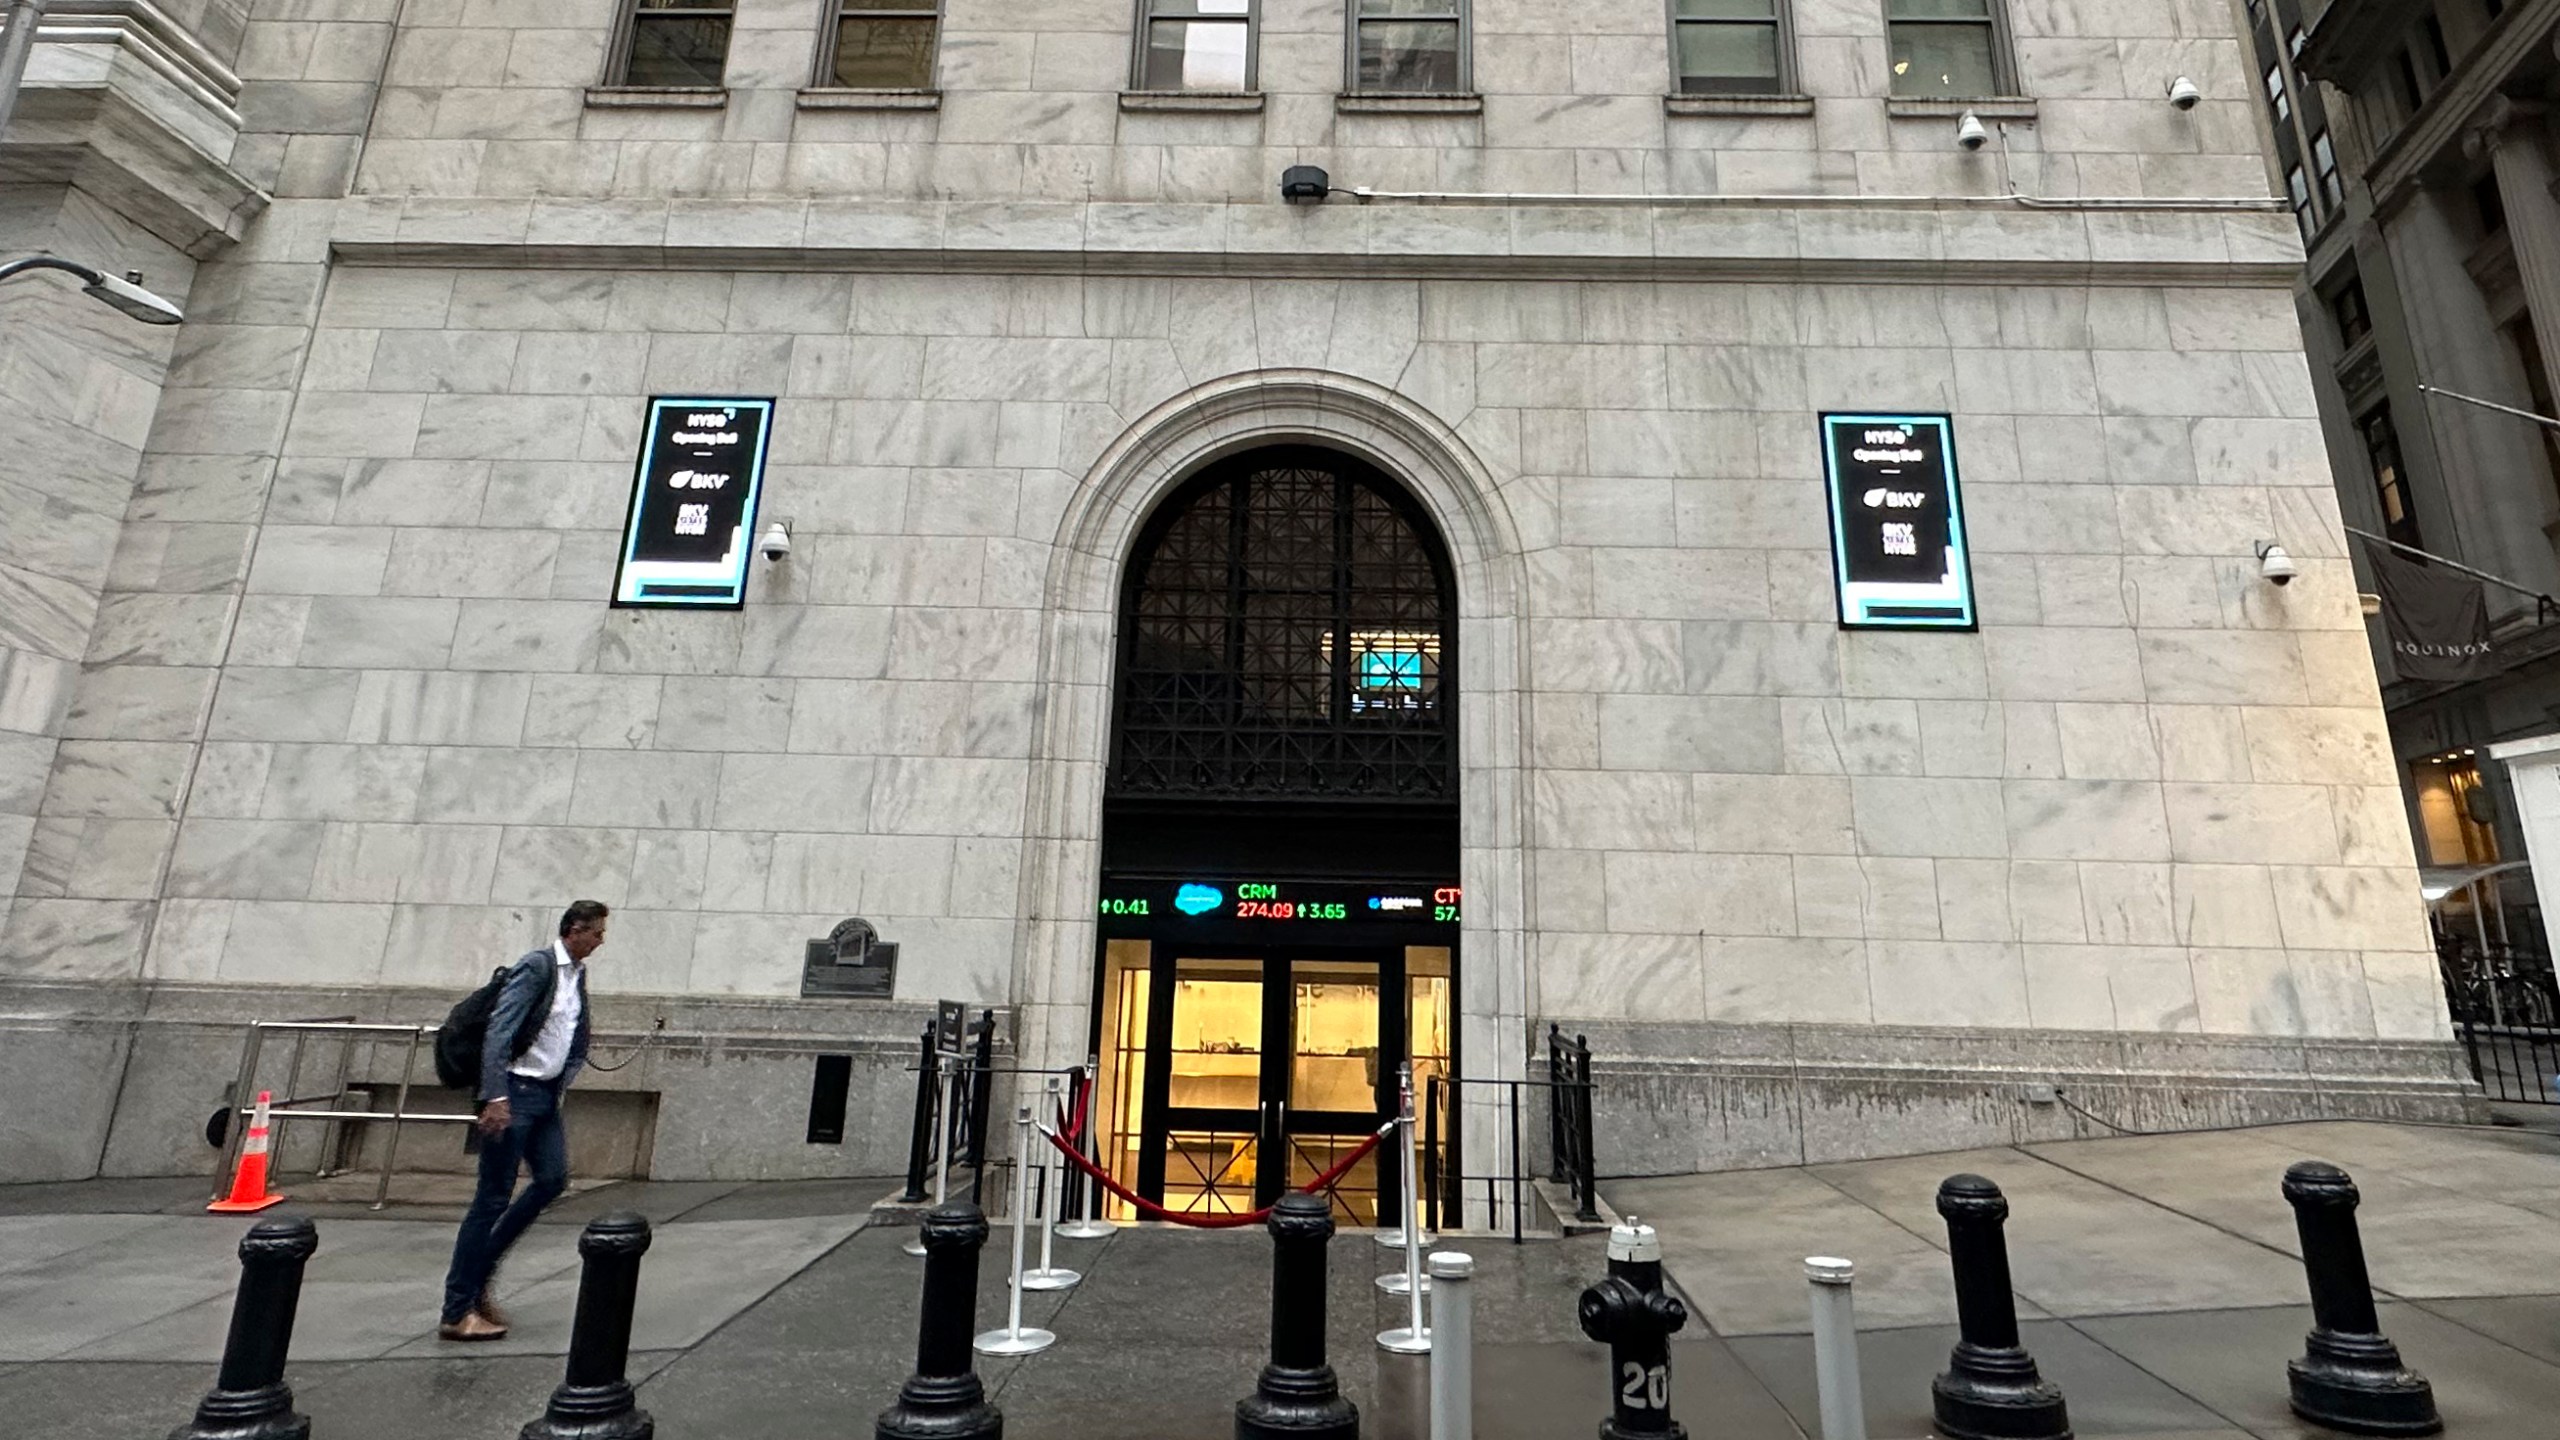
[[1407, 1234], [1395, 1237], [1835, 1348], [941, 1149], [1453, 1342], [1053, 1182], [1013, 1339], [1413, 1337], [1090, 1225]]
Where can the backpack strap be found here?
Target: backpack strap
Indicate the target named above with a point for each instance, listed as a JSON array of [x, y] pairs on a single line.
[[545, 986]]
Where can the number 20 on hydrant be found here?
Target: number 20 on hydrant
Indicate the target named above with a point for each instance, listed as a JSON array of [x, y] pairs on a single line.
[[1631, 1313]]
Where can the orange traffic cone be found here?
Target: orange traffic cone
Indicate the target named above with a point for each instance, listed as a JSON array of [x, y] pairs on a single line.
[[249, 1182]]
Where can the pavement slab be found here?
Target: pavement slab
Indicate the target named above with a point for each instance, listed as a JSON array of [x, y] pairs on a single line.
[[158, 1195], [1736, 1244], [448, 1396], [27, 1241], [2157, 1279], [2233, 1361], [2077, 1247], [82, 1398], [2530, 1323], [2107, 1394], [694, 1278]]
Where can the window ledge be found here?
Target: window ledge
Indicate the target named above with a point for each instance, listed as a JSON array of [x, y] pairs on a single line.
[[1352, 104], [1988, 107], [1737, 104], [1202, 101], [827, 97], [652, 97]]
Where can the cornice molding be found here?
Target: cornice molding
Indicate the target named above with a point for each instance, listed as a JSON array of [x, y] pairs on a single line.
[[1876, 244], [2460, 104]]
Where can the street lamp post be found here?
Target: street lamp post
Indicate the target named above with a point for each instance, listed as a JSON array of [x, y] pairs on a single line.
[[24, 16], [124, 292]]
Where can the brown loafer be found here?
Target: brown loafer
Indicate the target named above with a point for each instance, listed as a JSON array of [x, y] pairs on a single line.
[[487, 1309], [473, 1326]]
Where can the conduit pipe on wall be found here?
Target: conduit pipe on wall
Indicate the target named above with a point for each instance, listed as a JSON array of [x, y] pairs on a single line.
[[1820, 201]]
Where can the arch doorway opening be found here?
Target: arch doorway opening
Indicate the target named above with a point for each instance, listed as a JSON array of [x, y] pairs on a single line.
[[1279, 908]]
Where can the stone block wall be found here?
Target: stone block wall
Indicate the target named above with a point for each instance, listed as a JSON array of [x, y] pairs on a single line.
[[491, 100], [78, 383], [2151, 794], [365, 720]]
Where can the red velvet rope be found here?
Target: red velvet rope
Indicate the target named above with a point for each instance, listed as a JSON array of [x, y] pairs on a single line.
[[1074, 1118], [1153, 1211]]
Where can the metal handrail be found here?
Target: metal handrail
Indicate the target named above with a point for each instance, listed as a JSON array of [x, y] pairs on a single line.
[[244, 1095]]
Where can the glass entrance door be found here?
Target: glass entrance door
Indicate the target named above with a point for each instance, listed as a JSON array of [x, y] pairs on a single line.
[[1336, 1093], [1216, 1110], [1265, 1074]]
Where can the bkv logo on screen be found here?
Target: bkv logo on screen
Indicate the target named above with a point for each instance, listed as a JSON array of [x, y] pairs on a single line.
[[1881, 498]]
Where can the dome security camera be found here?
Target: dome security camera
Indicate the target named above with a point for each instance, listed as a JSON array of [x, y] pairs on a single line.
[[2274, 566], [1969, 132], [777, 540], [2184, 94]]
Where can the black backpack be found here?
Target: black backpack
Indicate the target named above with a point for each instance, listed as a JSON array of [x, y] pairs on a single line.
[[459, 1040]]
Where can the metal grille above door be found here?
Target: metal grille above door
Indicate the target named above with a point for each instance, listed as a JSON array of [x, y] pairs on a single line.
[[1287, 632]]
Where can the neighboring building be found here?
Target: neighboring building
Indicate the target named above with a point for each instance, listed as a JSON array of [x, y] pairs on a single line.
[[1257, 642], [2420, 169]]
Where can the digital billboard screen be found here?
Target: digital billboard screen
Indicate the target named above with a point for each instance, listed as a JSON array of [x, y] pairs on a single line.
[[1897, 522], [691, 526]]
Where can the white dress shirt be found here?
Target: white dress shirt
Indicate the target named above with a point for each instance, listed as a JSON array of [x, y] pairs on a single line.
[[548, 1055]]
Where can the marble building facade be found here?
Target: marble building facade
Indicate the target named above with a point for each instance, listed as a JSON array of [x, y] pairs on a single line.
[[314, 703]]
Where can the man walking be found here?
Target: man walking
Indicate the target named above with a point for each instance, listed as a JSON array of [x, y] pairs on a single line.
[[536, 1044]]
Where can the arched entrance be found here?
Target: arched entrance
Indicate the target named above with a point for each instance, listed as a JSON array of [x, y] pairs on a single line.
[[1279, 910]]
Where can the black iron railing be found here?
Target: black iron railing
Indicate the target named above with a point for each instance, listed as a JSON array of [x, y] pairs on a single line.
[[1569, 1118], [1453, 1194], [2506, 1011], [962, 1132]]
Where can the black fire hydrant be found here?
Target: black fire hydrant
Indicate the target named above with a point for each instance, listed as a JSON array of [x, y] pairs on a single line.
[[1635, 1317]]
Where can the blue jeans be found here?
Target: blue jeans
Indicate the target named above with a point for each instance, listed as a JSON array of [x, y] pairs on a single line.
[[491, 1225]]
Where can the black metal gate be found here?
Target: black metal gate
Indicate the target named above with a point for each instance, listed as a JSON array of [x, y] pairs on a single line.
[[2505, 1007]]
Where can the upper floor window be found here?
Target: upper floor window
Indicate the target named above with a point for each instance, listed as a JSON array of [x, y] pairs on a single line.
[[1730, 47], [2414, 85], [882, 45], [2324, 159], [2294, 40], [2432, 29], [1409, 46], [1948, 49], [2300, 190], [2391, 487], [676, 44], [2489, 205], [2276, 98], [2347, 306], [1196, 45]]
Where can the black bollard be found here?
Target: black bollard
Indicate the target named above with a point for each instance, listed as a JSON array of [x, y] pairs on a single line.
[[943, 1400], [250, 1400], [2349, 1377], [1635, 1317], [1991, 1390], [1297, 1395], [594, 1401]]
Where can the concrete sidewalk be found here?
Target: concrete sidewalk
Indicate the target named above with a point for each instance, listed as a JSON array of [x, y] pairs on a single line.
[[2157, 1275]]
